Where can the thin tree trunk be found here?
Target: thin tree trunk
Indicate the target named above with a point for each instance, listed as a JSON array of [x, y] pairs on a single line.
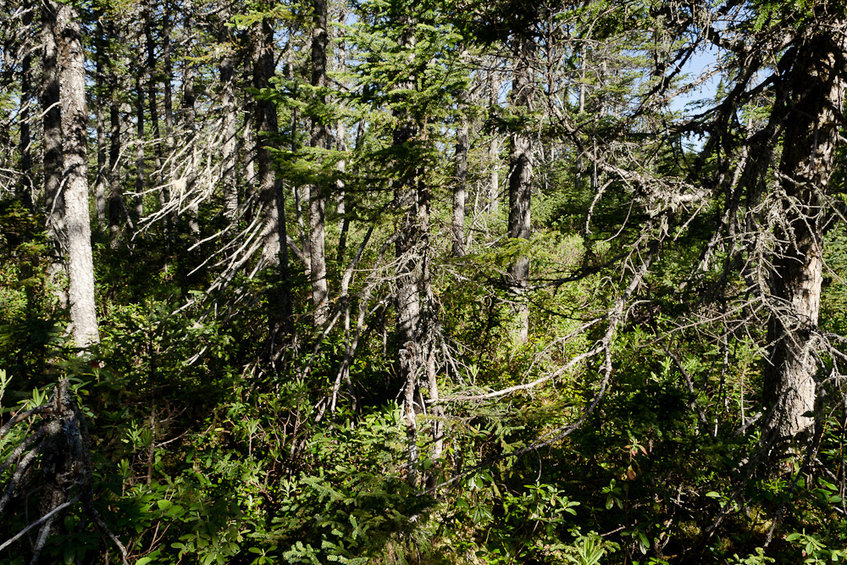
[[341, 147], [812, 122], [153, 103], [520, 182], [102, 177], [25, 185], [494, 152], [167, 88], [52, 121], [75, 150], [117, 209], [249, 155], [305, 241], [460, 186], [320, 140], [139, 148], [227, 74], [188, 120]]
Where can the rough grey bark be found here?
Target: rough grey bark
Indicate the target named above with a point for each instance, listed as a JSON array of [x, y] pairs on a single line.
[[320, 140], [812, 91], [520, 179], [75, 152], [269, 187], [54, 200]]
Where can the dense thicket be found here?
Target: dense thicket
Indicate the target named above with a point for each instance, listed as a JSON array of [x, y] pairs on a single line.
[[397, 281]]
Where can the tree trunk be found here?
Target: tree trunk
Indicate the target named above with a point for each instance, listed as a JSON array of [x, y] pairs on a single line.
[[25, 184], [414, 319], [102, 177], [341, 147], [54, 199], [227, 74], [320, 140], [188, 121], [139, 148], [460, 187], [269, 187], [117, 209], [75, 152], [520, 181], [152, 101], [167, 91], [493, 196], [812, 94]]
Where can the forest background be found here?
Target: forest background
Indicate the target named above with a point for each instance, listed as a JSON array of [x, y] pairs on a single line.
[[422, 282]]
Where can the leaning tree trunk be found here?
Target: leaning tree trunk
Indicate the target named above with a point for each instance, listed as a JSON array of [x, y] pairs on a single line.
[[813, 99], [75, 152]]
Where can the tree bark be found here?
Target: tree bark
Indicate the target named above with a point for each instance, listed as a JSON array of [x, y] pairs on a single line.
[[75, 153], [25, 184], [460, 187], [188, 121], [140, 181], [813, 93], [341, 147], [320, 140], [269, 187], [416, 315], [54, 199], [493, 196], [520, 180], [228, 157], [117, 209], [102, 178], [153, 103]]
